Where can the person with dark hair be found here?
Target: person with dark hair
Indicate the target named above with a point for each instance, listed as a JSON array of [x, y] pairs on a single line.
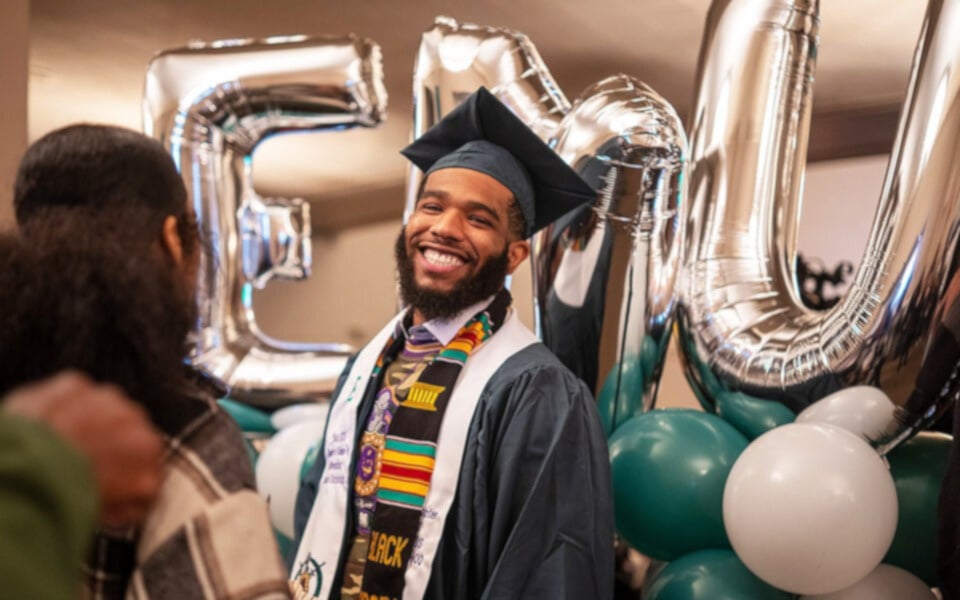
[[101, 279], [461, 459]]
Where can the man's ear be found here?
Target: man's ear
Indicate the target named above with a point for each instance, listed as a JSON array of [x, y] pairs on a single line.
[[170, 240], [516, 253]]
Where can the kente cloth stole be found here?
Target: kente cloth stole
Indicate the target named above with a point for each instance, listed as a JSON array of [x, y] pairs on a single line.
[[405, 456], [419, 350]]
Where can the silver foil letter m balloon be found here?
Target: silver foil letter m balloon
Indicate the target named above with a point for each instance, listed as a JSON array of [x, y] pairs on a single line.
[[605, 276], [743, 326], [210, 105]]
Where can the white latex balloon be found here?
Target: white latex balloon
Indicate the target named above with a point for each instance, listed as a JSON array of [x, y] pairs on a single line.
[[862, 409], [298, 413], [810, 508], [886, 582], [278, 470]]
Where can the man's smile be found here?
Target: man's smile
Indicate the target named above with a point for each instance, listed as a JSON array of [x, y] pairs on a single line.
[[441, 259], [435, 258]]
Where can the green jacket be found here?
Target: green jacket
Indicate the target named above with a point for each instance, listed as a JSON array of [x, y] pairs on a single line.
[[48, 509]]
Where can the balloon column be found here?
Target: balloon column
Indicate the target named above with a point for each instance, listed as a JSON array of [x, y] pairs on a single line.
[[603, 276], [210, 105], [810, 507], [740, 312]]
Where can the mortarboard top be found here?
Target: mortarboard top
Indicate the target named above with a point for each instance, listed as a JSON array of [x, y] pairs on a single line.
[[484, 135]]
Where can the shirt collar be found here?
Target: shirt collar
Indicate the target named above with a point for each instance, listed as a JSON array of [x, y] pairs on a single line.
[[445, 330]]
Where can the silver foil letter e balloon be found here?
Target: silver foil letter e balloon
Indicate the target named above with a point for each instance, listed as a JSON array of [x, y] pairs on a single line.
[[210, 105]]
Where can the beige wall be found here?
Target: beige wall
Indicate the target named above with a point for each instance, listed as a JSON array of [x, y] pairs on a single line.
[[351, 292], [14, 43], [840, 199], [349, 295]]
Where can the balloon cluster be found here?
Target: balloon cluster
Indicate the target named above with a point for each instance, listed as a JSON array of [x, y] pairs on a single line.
[[807, 507], [782, 488]]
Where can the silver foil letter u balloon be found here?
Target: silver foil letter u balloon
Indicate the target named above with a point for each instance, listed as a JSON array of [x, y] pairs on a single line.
[[743, 326], [604, 276], [210, 105]]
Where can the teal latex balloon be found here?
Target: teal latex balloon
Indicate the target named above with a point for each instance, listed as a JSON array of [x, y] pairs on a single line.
[[284, 545], [248, 418], [752, 416], [918, 467], [669, 468], [708, 387], [650, 353], [704, 400], [621, 396], [709, 575]]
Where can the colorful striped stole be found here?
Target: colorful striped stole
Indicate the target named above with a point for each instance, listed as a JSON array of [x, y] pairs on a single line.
[[406, 455]]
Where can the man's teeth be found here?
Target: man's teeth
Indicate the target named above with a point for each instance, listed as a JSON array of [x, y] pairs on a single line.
[[441, 259]]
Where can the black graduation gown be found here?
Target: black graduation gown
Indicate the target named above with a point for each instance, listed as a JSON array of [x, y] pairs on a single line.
[[935, 379], [949, 532], [533, 513]]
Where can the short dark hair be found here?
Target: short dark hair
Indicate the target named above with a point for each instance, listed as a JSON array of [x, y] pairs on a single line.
[[96, 169], [72, 298], [515, 221]]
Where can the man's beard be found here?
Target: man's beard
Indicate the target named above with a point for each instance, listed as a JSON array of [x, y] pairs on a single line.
[[444, 305]]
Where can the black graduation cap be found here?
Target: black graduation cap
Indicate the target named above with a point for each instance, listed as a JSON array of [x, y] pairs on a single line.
[[484, 135]]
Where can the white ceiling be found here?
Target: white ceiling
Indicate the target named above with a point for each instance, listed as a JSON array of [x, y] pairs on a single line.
[[88, 58]]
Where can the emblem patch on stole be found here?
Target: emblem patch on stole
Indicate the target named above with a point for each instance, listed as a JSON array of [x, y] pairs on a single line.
[[423, 396], [368, 463], [309, 577]]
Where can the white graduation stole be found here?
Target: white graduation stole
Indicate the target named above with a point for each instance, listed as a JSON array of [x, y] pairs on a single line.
[[320, 548]]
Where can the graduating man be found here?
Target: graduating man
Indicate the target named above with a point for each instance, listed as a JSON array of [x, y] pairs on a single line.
[[461, 459]]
